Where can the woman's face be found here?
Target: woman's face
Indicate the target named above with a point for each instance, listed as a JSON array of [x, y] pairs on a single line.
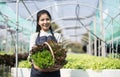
[[44, 22]]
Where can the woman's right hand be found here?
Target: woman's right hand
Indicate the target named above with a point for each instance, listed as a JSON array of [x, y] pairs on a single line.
[[30, 60]]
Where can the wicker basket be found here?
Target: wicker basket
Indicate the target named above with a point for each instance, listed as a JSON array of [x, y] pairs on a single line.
[[55, 67]]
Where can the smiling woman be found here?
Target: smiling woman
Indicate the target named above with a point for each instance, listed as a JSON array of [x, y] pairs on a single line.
[[43, 34]]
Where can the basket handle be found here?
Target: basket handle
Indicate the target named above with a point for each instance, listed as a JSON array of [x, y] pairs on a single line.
[[50, 49]]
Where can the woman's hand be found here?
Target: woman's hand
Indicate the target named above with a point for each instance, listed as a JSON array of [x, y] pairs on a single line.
[[30, 60]]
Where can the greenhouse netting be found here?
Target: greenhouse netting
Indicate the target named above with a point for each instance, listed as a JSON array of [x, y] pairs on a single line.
[[101, 17], [111, 20]]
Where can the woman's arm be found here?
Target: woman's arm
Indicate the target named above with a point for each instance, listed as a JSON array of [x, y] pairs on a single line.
[[32, 40], [58, 37], [31, 44]]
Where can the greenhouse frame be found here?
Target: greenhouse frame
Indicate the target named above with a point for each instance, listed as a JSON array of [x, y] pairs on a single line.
[[96, 23]]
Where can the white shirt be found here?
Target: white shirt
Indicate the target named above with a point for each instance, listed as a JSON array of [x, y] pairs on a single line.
[[33, 37]]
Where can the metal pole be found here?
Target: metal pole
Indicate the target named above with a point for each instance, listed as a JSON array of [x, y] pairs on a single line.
[[95, 39], [90, 51], [102, 29], [17, 24]]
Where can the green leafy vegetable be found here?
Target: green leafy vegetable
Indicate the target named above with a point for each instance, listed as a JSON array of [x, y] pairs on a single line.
[[43, 59]]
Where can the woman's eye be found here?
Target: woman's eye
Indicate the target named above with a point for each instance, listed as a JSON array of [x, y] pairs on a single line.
[[45, 19], [42, 19]]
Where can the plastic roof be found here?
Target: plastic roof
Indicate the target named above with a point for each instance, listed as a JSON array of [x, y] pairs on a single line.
[[63, 13]]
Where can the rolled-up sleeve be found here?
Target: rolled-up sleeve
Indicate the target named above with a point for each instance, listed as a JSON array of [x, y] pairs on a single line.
[[58, 37], [32, 40]]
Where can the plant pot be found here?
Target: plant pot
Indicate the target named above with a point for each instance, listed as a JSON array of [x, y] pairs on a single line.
[[22, 72], [25, 72]]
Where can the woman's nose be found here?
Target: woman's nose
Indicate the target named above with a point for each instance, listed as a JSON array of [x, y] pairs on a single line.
[[45, 21]]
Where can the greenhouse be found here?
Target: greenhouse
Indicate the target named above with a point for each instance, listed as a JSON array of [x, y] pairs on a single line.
[[20, 17], [87, 26]]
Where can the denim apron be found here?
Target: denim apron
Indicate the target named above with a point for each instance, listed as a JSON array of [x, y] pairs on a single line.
[[37, 73]]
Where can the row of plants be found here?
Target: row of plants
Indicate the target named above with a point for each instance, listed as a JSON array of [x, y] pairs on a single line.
[[84, 61], [114, 55], [9, 58]]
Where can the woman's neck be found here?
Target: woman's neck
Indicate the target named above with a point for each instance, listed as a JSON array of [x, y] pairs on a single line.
[[44, 30]]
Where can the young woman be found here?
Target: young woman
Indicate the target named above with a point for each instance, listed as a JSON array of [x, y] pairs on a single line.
[[43, 33]]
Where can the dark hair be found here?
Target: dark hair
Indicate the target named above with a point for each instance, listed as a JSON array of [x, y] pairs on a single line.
[[38, 28]]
